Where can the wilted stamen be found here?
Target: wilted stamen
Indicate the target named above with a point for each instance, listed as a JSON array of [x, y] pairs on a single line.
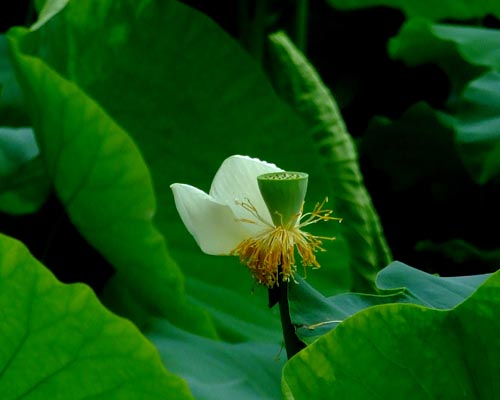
[[275, 246]]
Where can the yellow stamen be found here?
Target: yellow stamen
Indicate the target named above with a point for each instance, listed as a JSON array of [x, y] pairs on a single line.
[[275, 246]]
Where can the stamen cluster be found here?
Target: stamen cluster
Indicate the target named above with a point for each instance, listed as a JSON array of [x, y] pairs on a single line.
[[274, 248]]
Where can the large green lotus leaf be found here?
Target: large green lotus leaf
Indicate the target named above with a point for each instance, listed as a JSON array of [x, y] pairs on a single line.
[[189, 96], [476, 120], [454, 48], [105, 186], [59, 342], [314, 315], [220, 370], [24, 185], [298, 82], [454, 9], [399, 351]]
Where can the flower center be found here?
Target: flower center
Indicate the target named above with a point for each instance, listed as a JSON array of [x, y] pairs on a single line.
[[274, 247], [283, 193]]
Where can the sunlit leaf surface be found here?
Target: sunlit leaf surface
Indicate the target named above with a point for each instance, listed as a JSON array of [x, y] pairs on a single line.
[[59, 342]]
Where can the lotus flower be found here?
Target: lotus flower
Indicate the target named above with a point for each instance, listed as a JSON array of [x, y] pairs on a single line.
[[254, 211]]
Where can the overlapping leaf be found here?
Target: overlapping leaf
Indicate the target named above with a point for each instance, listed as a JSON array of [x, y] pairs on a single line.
[[314, 315], [463, 139], [428, 353], [476, 120], [463, 52], [455, 48]]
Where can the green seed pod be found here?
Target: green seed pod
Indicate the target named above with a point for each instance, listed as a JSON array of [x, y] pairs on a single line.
[[283, 193]]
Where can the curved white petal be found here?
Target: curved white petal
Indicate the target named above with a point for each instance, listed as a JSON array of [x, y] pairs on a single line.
[[212, 224], [236, 180]]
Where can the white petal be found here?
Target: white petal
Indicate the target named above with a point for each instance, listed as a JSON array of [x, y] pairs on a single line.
[[236, 179], [212, 224]]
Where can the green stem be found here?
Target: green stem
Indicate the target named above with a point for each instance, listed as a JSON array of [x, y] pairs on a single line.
[[30, 13], [252, 21], [299, 35], [279, 294]]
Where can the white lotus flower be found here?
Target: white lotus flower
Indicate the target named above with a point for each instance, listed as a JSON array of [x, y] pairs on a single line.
[[234, 218]]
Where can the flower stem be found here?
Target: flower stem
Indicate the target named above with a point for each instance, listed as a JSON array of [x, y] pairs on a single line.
[[279, 294], [252, 21], [299, 29]]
